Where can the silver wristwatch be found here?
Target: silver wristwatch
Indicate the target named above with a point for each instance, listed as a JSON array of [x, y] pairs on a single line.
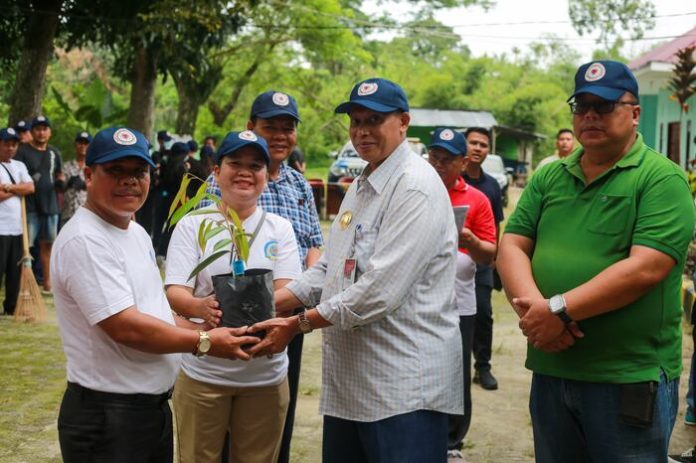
[[557, 306]]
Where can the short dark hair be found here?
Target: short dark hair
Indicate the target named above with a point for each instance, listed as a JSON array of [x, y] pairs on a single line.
[[481, 130], [210, 137], [562, 131]]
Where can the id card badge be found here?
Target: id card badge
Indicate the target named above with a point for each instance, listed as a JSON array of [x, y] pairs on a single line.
[[350, 267]]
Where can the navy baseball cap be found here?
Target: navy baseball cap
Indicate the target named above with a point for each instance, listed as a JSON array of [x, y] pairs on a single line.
[[83, 136], [377, 94], [9, 133], [179, 148], [234, 141], [163, 135], [40, 120], [116, 143], [272, 103], [450, 140], [21, 126], [193, 146], [606, 79]]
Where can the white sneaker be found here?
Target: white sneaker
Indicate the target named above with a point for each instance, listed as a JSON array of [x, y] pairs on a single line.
[[455, 456]]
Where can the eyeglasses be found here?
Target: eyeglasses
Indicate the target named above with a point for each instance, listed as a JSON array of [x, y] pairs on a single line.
[[600, 107]]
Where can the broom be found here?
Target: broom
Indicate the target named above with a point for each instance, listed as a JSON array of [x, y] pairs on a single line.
[[30, 305]]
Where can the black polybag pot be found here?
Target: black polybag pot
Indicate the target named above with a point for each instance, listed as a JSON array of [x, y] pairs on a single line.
[[245, 299]]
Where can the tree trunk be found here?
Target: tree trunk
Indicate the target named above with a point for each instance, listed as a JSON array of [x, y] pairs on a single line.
[[143, 83], [187, 111], [30, 82]]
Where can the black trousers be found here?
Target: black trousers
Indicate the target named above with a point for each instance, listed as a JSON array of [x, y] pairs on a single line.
[[101, 427], [10, 254], [458, 425], [483, 330]]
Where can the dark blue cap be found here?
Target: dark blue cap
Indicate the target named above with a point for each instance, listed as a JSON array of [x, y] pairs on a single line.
[[381, 95], [8, 133], [179, 148], [234, 141], [606, 79], [271, 104], [83, 136], [450, 140], [163, 135], [116, 143], [193, 146], [207, 151], [40, 120], [21, 126]]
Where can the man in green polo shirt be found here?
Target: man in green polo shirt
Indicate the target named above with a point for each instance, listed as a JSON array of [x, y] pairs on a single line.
[[591, 260]]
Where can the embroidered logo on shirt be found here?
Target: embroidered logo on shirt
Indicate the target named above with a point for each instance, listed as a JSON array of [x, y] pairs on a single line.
[[281, 99], [270, 250], [595, 72], [367, 88], [248, 135], [125, 137]]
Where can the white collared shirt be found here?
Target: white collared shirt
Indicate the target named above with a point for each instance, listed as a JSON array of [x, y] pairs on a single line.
[[395, 345]]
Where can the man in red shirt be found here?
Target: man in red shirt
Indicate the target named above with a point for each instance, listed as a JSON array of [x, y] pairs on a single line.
[[477, 245]]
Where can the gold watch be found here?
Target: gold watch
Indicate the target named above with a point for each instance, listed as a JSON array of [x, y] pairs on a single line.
[[203, 345]]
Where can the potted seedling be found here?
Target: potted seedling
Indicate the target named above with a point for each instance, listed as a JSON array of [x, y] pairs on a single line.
[[245, 295]]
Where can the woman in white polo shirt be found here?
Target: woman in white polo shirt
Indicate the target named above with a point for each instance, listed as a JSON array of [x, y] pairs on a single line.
[[212, 396]]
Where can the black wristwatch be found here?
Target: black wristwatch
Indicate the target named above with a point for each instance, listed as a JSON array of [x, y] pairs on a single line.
[[557, 306]]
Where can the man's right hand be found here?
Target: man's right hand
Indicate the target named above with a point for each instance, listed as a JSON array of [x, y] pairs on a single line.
[[228, 343]]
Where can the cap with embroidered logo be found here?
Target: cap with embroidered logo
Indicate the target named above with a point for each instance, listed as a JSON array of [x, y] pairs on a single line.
[[377, 94], [21, 126], [272, 103], [40, 120], [118, 142], [234, 141], [83, 136], [451, 140], [8, 133], [606, 79]]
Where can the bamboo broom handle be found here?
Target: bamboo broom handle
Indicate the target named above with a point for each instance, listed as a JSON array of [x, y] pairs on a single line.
[[25, 231]]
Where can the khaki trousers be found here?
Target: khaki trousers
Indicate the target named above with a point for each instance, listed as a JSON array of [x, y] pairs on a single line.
[[254, 417]]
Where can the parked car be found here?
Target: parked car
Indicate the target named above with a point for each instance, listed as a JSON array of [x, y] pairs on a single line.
[[349, 164], [493, 165]]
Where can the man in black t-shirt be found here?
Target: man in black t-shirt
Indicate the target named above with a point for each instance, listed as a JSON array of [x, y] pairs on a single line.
[[46, 169], [479, 144]]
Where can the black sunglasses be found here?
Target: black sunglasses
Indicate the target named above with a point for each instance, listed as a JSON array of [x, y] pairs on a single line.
[[581, 108]]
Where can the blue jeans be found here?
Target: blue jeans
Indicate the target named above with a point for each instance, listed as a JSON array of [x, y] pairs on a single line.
[[578, 422], [43, 227], [414, 437]]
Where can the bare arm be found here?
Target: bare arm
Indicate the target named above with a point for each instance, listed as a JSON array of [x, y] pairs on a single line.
[[143, 332], [514, 264], [482, 252], [313, 255], [626, 281]]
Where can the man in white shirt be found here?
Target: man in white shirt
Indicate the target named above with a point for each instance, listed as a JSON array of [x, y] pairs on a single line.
[[121, 340], [384, 294], [565, 142], [15, 182]]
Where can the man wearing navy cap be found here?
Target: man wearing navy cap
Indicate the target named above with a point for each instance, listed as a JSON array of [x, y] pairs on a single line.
[[120, 338], [447, 153], [274, 116], [75, 186], [45, 166], [384, 293], [15, 182], [591, 261], [22, 129]]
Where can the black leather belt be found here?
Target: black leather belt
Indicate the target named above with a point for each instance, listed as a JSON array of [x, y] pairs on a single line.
[[114, 396]]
